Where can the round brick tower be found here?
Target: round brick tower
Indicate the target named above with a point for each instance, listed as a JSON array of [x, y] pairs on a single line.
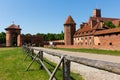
[[13, 35], [69, 30]]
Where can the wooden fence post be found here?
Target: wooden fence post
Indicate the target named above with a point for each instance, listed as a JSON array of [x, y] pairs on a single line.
[[32, 53], [40, 55], [66, 69]]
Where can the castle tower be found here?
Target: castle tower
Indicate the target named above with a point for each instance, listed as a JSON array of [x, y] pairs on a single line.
[[69, 30], [97, 13], [13, 35]]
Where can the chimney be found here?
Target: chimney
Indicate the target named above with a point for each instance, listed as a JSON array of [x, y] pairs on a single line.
[[97, 13]]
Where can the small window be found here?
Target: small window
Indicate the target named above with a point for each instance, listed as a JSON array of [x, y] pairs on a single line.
[[86, 32], [81, 43], [110, 43], [81, 38], [98, 43]]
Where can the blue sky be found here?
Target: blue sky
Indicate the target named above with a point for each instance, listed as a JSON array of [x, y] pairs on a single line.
[[48, 16]]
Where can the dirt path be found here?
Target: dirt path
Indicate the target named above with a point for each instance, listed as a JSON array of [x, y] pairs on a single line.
[[109, 58]]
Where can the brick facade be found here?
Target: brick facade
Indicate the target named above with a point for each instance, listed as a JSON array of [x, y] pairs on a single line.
[[108, 40], [94, 34]]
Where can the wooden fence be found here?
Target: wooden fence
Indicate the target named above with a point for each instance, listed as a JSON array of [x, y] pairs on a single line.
[[65, 61]]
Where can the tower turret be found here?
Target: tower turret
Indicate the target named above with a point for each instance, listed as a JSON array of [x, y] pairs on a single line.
[[69, 30], [13, 37]]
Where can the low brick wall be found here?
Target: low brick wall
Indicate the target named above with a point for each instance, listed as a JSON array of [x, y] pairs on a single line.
[[89, 47]]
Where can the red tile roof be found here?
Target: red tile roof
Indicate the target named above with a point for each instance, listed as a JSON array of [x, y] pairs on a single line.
[[108, 31], [103, 18], [69, 20], [13, 26], [88, 30]]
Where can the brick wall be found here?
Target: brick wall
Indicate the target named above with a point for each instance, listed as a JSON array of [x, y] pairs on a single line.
[[90, 47], [109, 40]]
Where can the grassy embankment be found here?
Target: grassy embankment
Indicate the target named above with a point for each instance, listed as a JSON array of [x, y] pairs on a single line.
[[12, 67], [94, 51]]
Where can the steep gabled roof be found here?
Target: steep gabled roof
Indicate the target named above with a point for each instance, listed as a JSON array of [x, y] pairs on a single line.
[[86, 30], [69, 20], [13, 26]]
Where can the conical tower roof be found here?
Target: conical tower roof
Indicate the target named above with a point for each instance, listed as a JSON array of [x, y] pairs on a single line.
[[69, 20], [13, 26]]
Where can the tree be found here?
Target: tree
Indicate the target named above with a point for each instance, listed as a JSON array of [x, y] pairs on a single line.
[[28, 34], [2, 37], [109, 24], [52, 36], [118, 24]]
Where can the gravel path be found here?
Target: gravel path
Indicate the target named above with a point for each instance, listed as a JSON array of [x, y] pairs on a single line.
[[88, 73]]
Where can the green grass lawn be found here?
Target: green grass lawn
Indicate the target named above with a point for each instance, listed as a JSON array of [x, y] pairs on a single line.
[[95, 51], [12, 67]]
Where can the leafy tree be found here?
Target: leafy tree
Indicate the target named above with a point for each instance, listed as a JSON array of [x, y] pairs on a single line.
[[52, 36], [28, 34], [118, 24], [2, 37], [109, 24]]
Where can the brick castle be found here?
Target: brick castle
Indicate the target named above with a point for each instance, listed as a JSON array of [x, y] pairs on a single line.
[[93, 33]]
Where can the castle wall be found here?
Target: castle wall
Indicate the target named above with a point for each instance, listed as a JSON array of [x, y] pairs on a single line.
[[97, 40], [109, 40], [86, 40], [88, 47]]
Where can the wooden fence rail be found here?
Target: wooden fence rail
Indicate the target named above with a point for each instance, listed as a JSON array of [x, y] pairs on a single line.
[[66, 59]]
